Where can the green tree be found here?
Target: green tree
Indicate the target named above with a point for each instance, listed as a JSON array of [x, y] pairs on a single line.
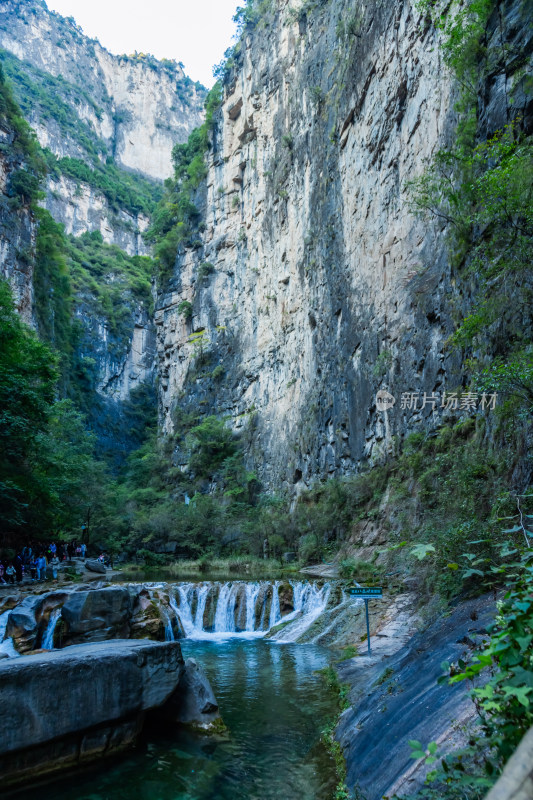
[[28, 375]]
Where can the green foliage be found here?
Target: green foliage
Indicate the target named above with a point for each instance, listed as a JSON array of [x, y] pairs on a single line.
[[24, 150], [205, 270], [483, 189], [462, 27], [48, 474], [123, 190], [361, 571], [505, 701], [210, 444], [50, 97], [185, 309], [458, 488], [28, 373], [512, 377], [53, 290], [175, 220], [382, 364], [340, 690], [111, 282], [252, 14]]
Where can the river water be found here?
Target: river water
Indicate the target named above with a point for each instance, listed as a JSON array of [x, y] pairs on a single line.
[[275, 706]]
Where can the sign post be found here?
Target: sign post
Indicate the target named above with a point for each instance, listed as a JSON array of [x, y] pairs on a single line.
[[366, 593]]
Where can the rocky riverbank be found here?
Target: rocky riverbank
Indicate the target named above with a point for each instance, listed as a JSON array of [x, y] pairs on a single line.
[[394, 696], [70, 707]]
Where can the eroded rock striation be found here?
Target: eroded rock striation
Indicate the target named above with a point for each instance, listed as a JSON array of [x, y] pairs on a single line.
[[395, 697], [324, 287]]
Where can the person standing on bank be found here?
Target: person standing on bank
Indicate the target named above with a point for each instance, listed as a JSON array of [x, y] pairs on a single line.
[[10, 574], [54, 563], [41, 568]]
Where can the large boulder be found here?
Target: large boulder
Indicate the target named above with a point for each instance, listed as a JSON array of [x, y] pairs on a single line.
[[71, 706], [194, 703], [93, 565], [146, 621], [22, 625], [97, 614]]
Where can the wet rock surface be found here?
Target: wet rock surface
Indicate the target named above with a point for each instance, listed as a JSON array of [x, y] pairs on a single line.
[[396, 698], [93, 565], [194, 703], [67, 707]]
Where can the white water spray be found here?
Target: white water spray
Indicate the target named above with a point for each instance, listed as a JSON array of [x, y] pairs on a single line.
[[308, 599], [48, 636], [6, 645]]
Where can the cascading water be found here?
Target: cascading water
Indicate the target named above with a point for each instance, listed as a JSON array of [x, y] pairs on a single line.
[[262, 609], [48, 636], [225, 613], [7, 647], [252, 593], [275, 612], [169, 630]]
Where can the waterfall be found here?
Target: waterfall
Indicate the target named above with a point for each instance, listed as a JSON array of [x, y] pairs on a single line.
[[309, 603], [225, 613], [239, 609], [184, 611], [169, 630], [6, 645], [275, 613], [202, 593], [48, 636], [252, 592]]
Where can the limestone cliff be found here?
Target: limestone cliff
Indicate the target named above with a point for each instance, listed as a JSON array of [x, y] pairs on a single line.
[[17, 229], [136, 107], [322, 287], [108, 124]]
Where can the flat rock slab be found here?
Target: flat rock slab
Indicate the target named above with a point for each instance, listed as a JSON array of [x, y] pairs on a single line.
[[395, 697], [50, 695]]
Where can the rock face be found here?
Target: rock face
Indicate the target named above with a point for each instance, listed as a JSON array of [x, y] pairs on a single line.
[[325, 288], [195, 704], [119, 114], [82, 208], [17, 233], [72, 706], [102, 613], [137, 107], [93, 565], [92, 615], [397, 698]]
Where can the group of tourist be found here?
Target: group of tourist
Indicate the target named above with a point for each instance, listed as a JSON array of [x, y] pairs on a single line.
[[34, 560]]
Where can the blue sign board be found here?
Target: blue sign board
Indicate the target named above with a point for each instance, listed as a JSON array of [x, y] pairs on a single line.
[[366, 591]]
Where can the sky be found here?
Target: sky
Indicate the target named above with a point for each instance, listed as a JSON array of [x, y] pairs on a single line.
[[196, 32]]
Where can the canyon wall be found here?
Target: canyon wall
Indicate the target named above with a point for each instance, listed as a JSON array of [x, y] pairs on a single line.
[[322, 287], [17, 231], [136, 106], [109, 124]]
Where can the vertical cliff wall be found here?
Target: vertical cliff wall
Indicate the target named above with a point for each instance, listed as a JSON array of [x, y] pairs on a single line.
[[107, 125], [17, 228], [324, 288]]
